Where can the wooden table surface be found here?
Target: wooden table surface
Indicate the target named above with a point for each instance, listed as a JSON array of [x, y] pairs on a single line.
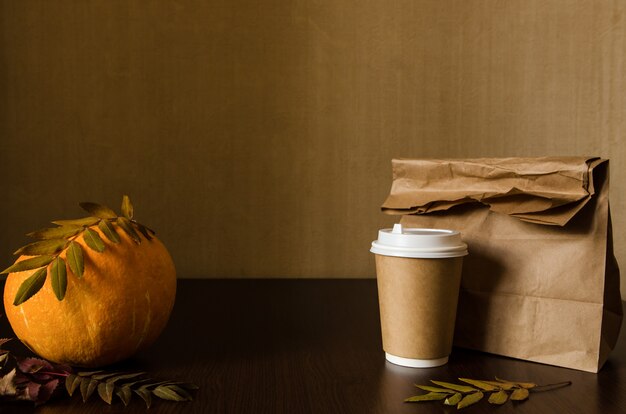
[[314, 346]]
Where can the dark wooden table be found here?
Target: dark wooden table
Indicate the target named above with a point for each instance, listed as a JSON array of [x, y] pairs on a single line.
[[313, 346]]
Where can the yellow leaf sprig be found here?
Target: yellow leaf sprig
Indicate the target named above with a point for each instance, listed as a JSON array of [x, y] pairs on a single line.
[[51, 242], [500, 391]]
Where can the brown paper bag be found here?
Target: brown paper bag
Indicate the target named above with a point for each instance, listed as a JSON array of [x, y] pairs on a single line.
[[541, 282]]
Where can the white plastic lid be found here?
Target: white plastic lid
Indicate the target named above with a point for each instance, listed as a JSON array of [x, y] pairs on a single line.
[[419, 243]]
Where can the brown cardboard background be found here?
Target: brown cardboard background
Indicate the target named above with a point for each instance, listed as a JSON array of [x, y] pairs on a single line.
[[256, 137]]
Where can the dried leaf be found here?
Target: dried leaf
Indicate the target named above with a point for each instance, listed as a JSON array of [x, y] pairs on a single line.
[[75, 260], [87, 387], [30, 286], [32, 389], [83, 222], [507, 386], [98, 210], [106, 375], [435, 389], [144, 230], [127, 226], [125, 394], [43, 247], [109, 231], [499, 391], [171, 393], [72, 382], [33, 365], [7, 384], [470, 399], [456, 387], [519, 394], [527, 385], [127, 207], [499, 397], [186, 385], [62, 232], [58, 278], [145, 395], [4, 340], [29, 264], [46, 390], [105, 391], [93, 240], [134, 383], [480, 384], [89, 373], [549, 387], [454, 399], [431, 396], [116, 378]]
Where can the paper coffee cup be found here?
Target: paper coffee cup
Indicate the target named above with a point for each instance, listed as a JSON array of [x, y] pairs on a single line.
[[419, 275]]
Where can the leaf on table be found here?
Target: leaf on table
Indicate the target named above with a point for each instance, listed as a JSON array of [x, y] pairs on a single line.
[[435, 389], [503, 385], [72, 382], [105, 391], [519, 394], [33, 365], [480, 384], [7, 384], [470, 399], [527, 385], [103, 375], [172, 393], [145, 395], [186, 385], [32, 389], [453, 399], [121, 377], [89, 373], [456, 387], [87, 387], [124, 393], [46, 390], [499, 397], [431, 396]]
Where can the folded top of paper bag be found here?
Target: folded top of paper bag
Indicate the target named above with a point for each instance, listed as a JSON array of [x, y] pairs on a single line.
[[547, 190]]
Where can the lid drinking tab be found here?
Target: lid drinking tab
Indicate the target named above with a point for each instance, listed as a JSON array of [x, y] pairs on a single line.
[[419, 243]]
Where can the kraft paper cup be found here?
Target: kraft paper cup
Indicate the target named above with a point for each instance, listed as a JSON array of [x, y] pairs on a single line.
[[419, 275]]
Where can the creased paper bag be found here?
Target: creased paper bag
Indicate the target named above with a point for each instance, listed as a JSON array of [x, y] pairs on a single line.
[[541, 282]]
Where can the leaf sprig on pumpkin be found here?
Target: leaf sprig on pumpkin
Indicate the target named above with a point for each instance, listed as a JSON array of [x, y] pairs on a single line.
[[51, 242], [463, 396]]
